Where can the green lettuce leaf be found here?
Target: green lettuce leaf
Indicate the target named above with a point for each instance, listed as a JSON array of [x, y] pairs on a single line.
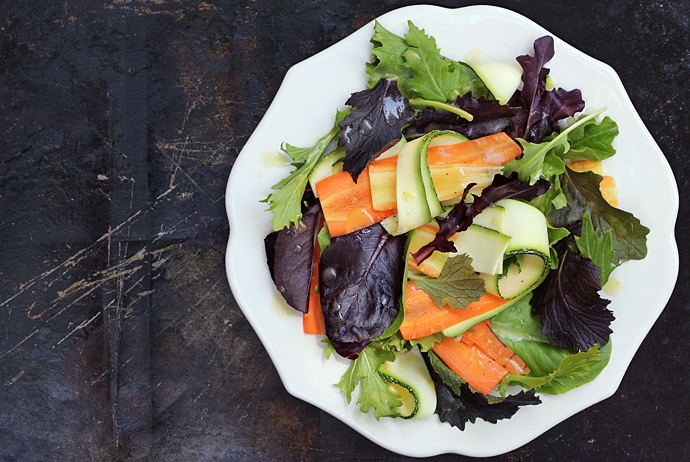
[[592, 141], [457, 286], [427, 343], [552, 369], [374, 390], [629, 236], [388, 63], [545, 159], [286, 203], [596, 247], [435, 77], [415, 61]]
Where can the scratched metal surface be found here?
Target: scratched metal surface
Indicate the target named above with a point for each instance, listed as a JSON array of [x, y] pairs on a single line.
[[119, 124]]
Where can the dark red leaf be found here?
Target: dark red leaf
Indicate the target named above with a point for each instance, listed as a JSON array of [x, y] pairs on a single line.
[[290, 255], [360, 283], [573, 315], [378, 116]]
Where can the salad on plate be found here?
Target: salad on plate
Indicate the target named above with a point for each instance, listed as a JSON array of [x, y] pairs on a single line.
[[452, 234]]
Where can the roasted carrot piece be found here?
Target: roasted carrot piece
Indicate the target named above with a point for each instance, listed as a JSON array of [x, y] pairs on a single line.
[[312, 320], [488, 150], [607, 186], [423, 317], [586, 166], [347, 205], [484, 338], [474, 366]]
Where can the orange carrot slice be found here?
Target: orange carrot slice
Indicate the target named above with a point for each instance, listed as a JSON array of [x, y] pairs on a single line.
[[586, 166], [383, 176], [484, 338], [312, 320], [423, 317], [474, 366], [495, 150], [607, 186], [347, 205]]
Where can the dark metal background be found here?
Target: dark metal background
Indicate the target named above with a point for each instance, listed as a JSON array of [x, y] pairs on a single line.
[[119, 123]]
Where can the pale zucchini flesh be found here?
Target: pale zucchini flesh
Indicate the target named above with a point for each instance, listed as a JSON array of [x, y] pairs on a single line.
[[485, 246], [326, 167], [413, 208], [493, 217], [435, 207], [393, 151], [411, 379], [527, 251]]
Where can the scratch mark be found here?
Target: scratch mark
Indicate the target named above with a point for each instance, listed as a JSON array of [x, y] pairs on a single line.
[[18, 344], [100, 377], [208, 317], [173, 228], [176, 160], [70, 262], [80, 326], [184, 172], [14, 379]]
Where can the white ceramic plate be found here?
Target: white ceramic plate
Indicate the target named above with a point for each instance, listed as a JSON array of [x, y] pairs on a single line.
[[303, 110]]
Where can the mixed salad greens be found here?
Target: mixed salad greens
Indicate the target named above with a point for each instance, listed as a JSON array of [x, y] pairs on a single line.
[[452, 232]]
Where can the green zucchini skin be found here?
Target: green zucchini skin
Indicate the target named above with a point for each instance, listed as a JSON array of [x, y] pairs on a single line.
[[409, 371]]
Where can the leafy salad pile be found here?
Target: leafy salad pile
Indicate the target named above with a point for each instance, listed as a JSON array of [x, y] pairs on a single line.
[[561, 330]]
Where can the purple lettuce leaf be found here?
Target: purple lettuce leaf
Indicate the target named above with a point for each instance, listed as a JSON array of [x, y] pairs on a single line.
[[490, 117], [541, 108], [573, 315], [360, 283], [290, 255], [460, 217], [378, 116], [457, 404]]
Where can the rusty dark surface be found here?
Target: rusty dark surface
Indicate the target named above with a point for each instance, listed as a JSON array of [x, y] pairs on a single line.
[[120, 121]]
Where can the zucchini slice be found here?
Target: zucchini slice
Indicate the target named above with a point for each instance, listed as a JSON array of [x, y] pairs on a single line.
[[410, 379], [413, 208], [487, 248], [527, 255], [327, 166]]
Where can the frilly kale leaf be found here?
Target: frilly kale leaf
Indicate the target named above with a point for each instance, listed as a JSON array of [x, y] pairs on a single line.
[[435, 77], [286, 202], [389, 63], [375, 391]]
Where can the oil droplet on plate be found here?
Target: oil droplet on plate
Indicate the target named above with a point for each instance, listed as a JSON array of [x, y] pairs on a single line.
[[280, 307], [613, 287], [272, 159]]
